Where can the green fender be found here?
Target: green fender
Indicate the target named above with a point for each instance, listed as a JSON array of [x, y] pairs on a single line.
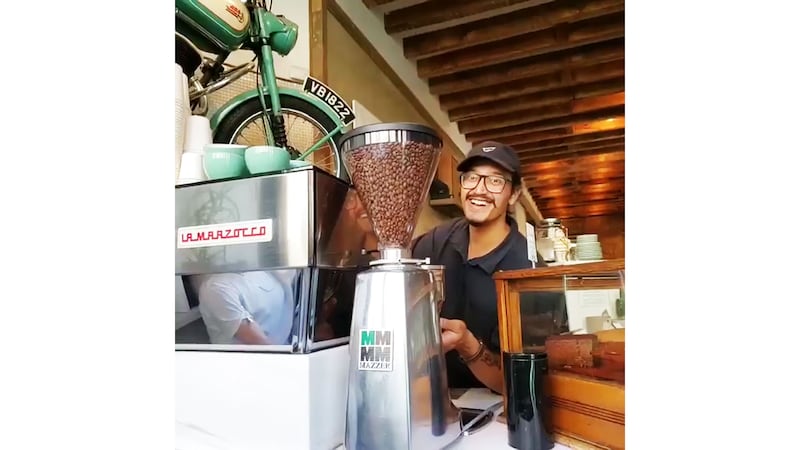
[[222, 112]]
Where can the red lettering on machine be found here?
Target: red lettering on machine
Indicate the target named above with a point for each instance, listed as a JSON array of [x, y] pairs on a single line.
[[225, 234]]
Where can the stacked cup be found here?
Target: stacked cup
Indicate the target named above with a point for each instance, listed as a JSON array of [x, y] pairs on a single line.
[[198, 136], [182, 113], [588, 248]]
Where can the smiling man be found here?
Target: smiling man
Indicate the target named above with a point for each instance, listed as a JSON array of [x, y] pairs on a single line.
[[472, 248]]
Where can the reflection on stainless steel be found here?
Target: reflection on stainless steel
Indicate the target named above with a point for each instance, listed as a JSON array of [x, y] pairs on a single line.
[[438, 278], [323, 305], [397, 391], [309, 223]]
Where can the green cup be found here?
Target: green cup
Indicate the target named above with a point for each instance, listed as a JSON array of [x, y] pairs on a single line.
[[265, 158], [224, 161]]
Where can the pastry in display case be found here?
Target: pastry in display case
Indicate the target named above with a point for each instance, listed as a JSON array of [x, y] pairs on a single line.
[[576, 315]]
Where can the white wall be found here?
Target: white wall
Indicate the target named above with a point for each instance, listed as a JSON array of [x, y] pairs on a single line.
[[294, 66], [391, 49]]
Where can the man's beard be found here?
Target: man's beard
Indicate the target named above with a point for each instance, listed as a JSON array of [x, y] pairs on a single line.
[[487, 221], [482, 223]]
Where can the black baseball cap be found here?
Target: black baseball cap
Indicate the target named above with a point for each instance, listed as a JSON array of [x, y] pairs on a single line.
[[496, 152]]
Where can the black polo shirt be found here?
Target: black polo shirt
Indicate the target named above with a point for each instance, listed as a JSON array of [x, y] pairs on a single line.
[[470, 293]]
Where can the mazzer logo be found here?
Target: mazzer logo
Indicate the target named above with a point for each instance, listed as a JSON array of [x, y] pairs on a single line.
[[488, 149], [375, 350]]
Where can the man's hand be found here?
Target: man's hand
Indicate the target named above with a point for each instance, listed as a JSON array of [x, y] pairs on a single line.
[[453, 332], [456, 336]]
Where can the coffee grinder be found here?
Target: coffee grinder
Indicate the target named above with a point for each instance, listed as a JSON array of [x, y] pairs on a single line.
[[397, 395]]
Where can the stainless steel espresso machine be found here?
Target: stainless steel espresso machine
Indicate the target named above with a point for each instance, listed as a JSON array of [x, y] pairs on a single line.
[[280, 252], [397, 392]]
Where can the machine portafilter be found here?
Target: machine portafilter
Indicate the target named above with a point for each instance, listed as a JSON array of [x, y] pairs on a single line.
[[397, 395]]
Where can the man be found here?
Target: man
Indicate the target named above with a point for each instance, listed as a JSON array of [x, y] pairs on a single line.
[[251, 308], [472, 248]]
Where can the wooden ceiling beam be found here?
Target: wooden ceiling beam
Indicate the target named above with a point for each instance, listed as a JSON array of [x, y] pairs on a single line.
[[544, 144], [595, 102], [584, 211], [586, 186], [567, 163], [552, 136], [527, 102], [387, 6], [532, 44], [532, 152], [544, 125], [577, 167], [563, 154], [579, 202], [612, 72], [600, 187], [508, 26], [440, 14], [546, 98], [580, 174], [547, 202], [539, 114], [528, 67]]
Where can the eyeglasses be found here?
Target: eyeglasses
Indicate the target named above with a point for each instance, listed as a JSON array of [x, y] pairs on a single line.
[[494, 183]]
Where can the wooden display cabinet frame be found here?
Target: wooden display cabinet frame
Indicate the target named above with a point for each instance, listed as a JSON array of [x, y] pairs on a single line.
[[583, 408]]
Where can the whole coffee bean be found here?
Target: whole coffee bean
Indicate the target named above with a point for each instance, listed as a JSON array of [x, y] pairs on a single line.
[[390, 179]]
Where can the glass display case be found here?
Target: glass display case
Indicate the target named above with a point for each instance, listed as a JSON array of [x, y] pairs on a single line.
[[575, 314]]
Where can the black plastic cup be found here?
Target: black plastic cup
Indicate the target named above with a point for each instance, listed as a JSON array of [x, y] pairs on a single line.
[[527, 409]]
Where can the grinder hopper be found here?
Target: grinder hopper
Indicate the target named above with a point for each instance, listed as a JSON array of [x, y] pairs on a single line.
[[392, 166]]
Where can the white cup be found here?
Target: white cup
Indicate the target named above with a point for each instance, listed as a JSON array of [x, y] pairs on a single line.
[[198, 134], [192, 167]]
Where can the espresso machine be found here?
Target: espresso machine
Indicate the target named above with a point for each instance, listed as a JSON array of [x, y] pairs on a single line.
[[299, 233], [397, 391]]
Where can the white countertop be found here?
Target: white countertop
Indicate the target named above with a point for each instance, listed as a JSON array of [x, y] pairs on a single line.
[[494, 435]]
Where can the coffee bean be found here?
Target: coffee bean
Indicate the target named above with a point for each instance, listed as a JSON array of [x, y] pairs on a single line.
[[391, 182]]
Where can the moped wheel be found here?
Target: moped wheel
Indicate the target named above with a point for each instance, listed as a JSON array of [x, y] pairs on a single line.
[[305, 125]]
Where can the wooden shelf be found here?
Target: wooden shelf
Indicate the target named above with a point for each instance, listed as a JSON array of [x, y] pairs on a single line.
[[613, 265]]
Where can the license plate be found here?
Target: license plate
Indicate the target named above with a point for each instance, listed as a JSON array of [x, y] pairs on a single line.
[[331, 98]]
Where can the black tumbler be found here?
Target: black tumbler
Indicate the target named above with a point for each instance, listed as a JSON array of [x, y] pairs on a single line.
[[527, 409]]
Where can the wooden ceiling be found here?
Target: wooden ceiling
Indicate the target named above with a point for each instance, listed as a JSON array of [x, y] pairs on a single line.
[[546, 77]]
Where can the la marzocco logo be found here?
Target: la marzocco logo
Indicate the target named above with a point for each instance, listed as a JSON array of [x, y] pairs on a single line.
[[235, 12], [247, 232]]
